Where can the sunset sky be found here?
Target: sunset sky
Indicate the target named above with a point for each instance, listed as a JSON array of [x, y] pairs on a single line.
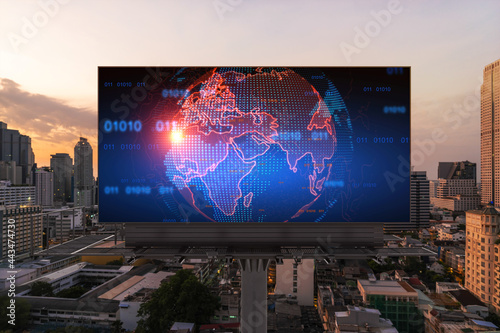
[[50, 51]]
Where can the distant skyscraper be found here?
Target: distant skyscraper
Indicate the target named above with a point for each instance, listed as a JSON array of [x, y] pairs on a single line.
[[419, 199], [15, 147], [490, 137], [457, 189], [457, 170], [419, 205], [11, 172], [433, 185], [457, 195], [62, 165], [44, 183], [84, 177]]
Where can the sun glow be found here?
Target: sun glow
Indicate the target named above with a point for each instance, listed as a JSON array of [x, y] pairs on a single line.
[[176, 136]]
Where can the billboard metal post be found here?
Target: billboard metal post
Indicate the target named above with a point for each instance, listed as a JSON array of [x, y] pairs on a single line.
[[253, 295]]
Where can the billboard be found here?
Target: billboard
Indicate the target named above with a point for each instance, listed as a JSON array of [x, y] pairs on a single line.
[[254, 144]]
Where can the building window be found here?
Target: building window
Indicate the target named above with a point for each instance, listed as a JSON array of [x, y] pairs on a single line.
[[294, 290]]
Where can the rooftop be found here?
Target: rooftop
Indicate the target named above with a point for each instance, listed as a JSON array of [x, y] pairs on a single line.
[[71, 304], [356, 309], [76, 245], [465, 297], [387, 287], [484, 323], [288, 309], [135, 284], [443, 300], [181, 326], [449, 285], [5, 272], [61, 273]]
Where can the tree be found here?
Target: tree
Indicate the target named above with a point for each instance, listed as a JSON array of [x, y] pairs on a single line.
[[386, 265], [414, 266], [22, 318], [118, 262], [183, 298], [494, 318], [117, 326], [41, 288], [72, 292], [71, 329]]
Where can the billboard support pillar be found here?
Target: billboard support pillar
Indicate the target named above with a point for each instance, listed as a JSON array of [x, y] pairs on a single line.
[[253, 295]]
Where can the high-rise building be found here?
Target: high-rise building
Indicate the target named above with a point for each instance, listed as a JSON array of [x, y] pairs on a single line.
[[15, 147], [496, 280], [457, 194], [482, 228], [11, 172], [297, 279], [84, 178], [457, 170], [452, 187], [28, 230], [457, 189], [62, 165], [16, 196], [490, 138], [44, 183], [59, 225], [419, 199], [420, 205], [433, 185]]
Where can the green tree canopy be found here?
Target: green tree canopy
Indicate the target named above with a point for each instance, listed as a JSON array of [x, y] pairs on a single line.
[[41, 288], [183, 298], [117, 262], [494, 318], [414, 266], [386, 265], [72, 292], [72, 329]]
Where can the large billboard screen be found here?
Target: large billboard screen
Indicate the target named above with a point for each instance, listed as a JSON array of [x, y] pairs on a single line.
[[254, 144]]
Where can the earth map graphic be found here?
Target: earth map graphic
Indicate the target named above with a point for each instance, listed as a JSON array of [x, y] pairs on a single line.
[[261, 145]]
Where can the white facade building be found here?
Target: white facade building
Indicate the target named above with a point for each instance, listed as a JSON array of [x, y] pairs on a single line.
[[296, 279], [16, 195], [44, 187]]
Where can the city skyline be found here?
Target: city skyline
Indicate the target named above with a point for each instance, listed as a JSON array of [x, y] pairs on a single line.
[[48, 83]]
